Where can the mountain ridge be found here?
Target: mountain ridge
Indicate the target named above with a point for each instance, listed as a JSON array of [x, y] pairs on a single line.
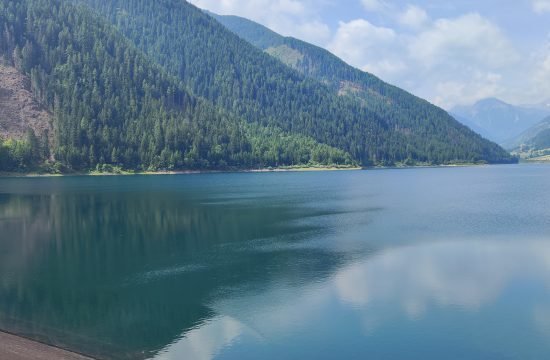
[[533, 142], [113, 106], [161, 85], [498, 120], [373, 135]]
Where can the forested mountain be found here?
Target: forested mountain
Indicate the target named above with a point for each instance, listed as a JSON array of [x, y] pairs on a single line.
[[541, 141], [25, 126], [320, 64], [499, 121], [392, 126], [533, 142], [161, 85], [112, 105], [385, 100]]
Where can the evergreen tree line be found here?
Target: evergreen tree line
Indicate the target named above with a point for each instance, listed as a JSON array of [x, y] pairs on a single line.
[[112, 105], [23, 154], [384, 128]]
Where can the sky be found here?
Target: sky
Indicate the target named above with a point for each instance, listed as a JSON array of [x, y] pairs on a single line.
[[448, 52]]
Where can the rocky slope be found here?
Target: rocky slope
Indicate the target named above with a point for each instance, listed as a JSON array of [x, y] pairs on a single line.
[[19, 111]]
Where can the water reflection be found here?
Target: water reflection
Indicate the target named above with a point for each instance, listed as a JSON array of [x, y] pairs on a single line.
[[121, 272], [206, 341], [400, 288], [433, 263], [468, 275]]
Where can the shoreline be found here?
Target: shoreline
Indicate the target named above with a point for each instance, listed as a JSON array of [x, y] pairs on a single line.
[[261, 170], [186, 172], [15, 347], [540, 160]]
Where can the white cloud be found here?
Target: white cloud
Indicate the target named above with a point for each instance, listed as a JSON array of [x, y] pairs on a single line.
[[413, 17], [373, 5], [253, 8], [369, 47], [461, 60], [386, 67], [449, 61], [297, 18], [476, 86], [469, 38], [541, 6], [540, 76], [318, 31], [355, 39], [545, 69]]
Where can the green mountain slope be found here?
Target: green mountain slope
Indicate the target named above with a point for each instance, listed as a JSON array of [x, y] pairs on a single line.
[[499, 121], [112, 105], [534, 142], [388, 101], [526, 137], [219, 66], [541, 141]]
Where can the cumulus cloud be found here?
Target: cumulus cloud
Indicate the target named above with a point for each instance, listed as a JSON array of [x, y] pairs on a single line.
[[365, 45], [448, 61], [469, 38], [254, 8], [374, 5], [297, 18], [545, 69], [478, 85], [541, 73], [317, 31], [413, 17], [541, 6]]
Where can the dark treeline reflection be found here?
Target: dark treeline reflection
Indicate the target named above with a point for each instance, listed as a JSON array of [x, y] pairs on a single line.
[[120, 272]]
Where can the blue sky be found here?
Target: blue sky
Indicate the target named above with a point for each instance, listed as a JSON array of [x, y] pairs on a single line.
[[449, 52]]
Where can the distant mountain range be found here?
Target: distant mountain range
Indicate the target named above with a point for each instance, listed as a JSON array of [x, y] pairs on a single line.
[[545, 105], [499, 121], [533, 143], [321, 65], [527, 137], [153, 85]]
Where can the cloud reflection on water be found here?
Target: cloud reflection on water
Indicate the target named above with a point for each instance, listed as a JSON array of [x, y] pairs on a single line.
[[464, 276]]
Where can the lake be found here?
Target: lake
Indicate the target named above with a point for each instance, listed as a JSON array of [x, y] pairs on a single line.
[[436, 263]]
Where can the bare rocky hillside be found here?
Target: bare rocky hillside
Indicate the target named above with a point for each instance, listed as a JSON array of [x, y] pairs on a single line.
[[19, 111]]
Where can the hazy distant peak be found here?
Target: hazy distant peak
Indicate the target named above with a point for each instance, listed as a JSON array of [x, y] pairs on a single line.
[[498, 120], [545, 105], [491, 102]]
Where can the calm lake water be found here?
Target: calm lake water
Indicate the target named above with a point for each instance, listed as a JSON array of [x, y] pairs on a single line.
[[447, 263]]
